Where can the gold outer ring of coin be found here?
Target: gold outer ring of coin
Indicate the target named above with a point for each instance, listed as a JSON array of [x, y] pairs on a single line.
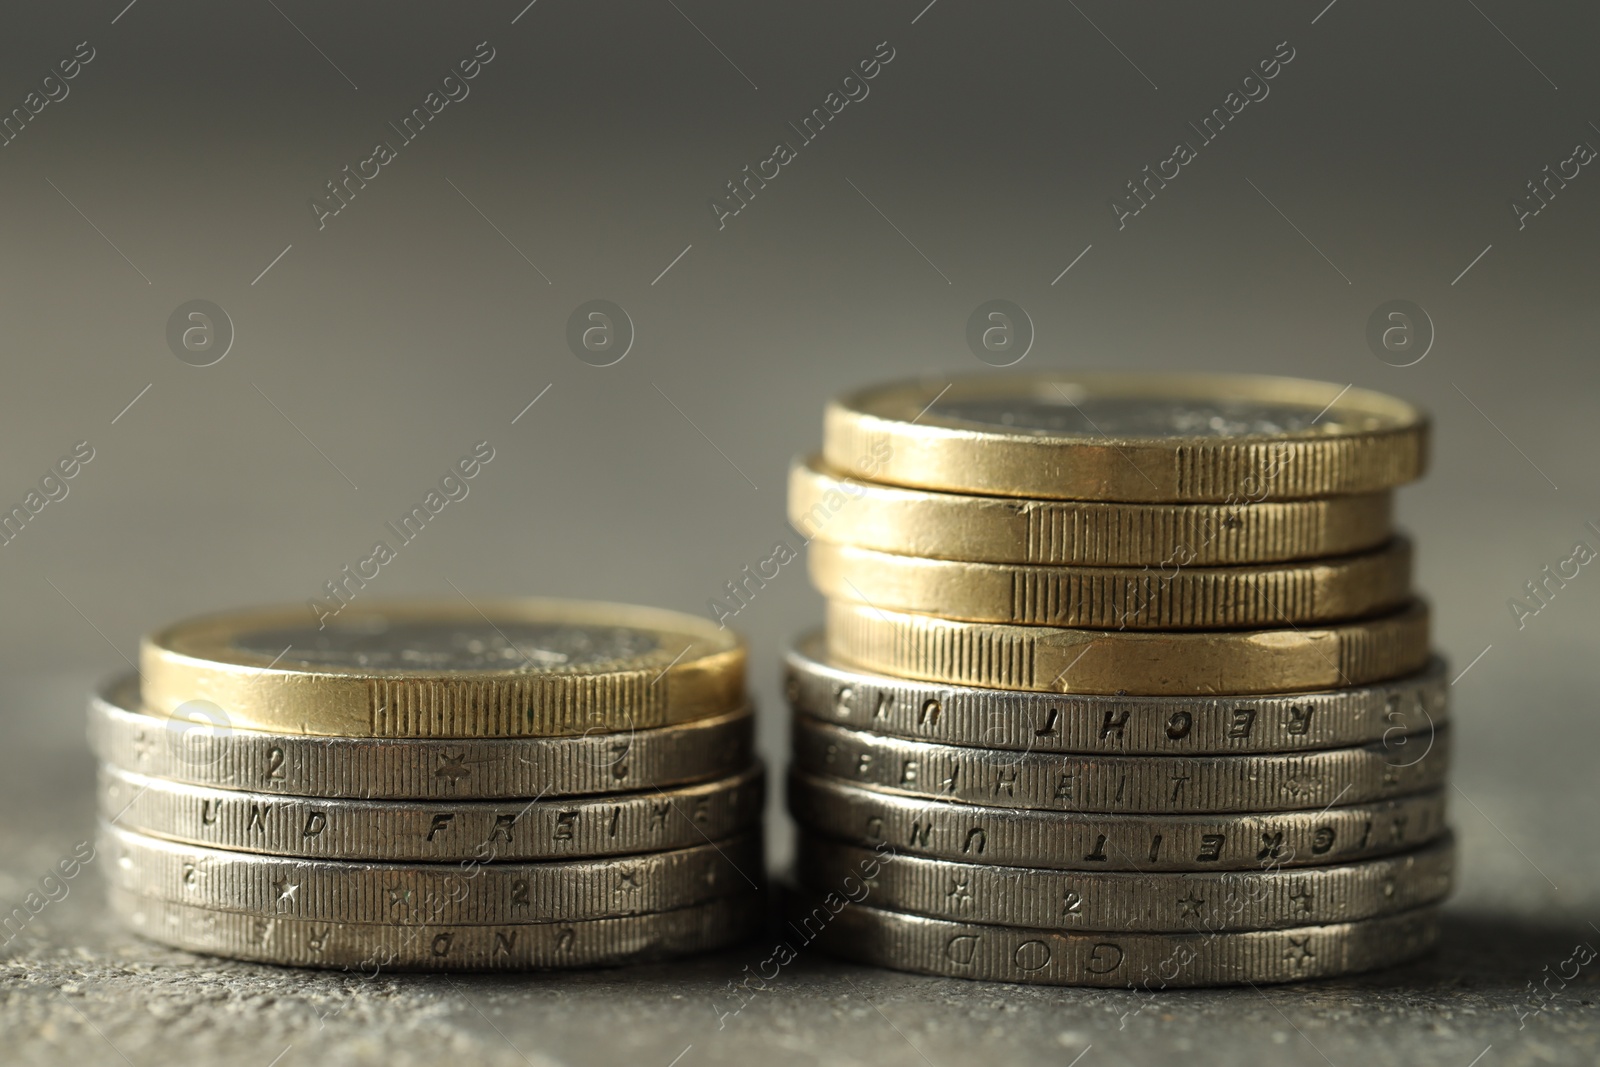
[[839, 507], [1050, 781], [204, 750], [1073, 841], [433, 831], [1362, 442], [372, 948], [1199, 663], [1109, 598], [905, 942], [696, 671], [421, 894], [1397, 713], [1266, 899]]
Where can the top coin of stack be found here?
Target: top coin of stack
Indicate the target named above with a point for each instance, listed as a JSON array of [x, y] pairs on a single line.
[[513, 784], [1191, 579]]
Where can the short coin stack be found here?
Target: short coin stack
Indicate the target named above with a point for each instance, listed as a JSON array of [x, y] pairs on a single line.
[[1127, 672], [518, 784]]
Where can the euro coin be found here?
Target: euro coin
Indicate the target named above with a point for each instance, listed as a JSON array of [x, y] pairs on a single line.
[[839, 506], [1079, 841], [198, 746], [1165, 438], [435, 831], [1270, 898], [986, 952], [1050, 781], [480, 891], [373, 948], [1197, 663], [515, 668], [1400, 713], [1113, 598]]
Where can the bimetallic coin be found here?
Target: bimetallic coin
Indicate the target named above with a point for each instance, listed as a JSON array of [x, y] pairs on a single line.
[[206, 751], [1128, 437], [1119, 784], [906, 942], [473, 892], [1047, 659], [1109, 598], [1077, 841], [374, 948], [435, 831], [1402, 714], [515, 668], [1266, 899], [841, 507], [1051, 781]]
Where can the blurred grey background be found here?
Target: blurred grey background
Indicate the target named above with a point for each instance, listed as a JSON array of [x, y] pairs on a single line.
[[372, 348]]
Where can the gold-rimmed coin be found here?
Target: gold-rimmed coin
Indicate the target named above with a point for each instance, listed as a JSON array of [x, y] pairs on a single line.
[[509, 668], [1048, 659], [1110, 598], [841, 507], [1130, 437]]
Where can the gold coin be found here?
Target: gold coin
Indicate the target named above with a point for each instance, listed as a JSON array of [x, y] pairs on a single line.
[[511, 668], [1046, 659], [1130, 437], [1179, 598], [839, 507]]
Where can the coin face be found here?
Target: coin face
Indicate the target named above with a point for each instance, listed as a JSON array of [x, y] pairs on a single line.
[[1139, 406], [1080, 413], [379, 642]]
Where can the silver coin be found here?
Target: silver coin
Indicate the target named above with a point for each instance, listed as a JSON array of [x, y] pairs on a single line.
[[1402, 714], [371, 949], [203, 752], [420, 894], [1072, 841], [1118, 960], [434, 831], [1048, 781], [1271, 898]]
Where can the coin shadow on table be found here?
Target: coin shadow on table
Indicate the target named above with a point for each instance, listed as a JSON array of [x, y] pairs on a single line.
[[1487, 952]]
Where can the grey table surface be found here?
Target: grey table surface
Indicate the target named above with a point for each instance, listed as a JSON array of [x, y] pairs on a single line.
[[1392, 159]]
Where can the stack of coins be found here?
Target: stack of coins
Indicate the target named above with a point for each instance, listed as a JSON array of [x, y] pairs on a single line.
[[522, 784], [1127, 673]]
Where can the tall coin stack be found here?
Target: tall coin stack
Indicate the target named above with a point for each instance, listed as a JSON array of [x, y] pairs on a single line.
[[1127, 673], [519, 784]]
